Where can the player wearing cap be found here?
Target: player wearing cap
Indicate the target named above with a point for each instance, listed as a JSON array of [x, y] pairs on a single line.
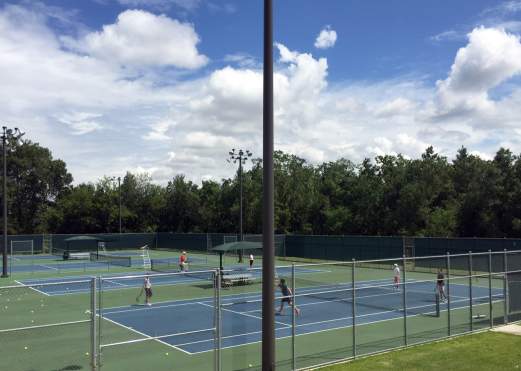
[[396, 273]]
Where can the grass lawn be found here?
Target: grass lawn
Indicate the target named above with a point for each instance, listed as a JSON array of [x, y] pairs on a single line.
[[484, 351]]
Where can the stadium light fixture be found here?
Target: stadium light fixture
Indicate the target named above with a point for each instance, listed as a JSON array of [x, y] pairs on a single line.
[[240, 156]]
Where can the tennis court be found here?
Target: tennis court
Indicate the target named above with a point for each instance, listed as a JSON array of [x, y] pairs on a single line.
[[187, 324]]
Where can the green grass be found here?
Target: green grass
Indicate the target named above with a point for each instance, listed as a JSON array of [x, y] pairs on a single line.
[[484, 351]]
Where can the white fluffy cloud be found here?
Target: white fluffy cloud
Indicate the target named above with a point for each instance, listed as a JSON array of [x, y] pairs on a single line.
[[491, 57], [326, 38], [88, 113], [139, 38]]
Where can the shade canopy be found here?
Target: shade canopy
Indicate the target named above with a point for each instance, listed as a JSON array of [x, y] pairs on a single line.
[[238, 245], [85, 238]]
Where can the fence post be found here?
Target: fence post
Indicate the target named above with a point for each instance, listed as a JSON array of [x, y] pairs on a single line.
[[404, 301], [353, 309], [505, 286], [470, 291], [218, 319], [448, 294], [93, 326], [490, 288], [293, 320]]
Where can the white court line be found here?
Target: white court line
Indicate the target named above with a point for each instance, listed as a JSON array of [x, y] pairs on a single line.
[[107, 311], [245, 314], [145, 335], [32, 288], [318, 331], [117, 283], [47, 266]]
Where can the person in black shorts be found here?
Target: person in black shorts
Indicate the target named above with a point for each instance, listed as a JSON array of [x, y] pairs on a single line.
[[440, 285], [286, 297]]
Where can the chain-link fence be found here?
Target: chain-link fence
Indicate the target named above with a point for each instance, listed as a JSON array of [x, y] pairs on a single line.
[[200, 320]]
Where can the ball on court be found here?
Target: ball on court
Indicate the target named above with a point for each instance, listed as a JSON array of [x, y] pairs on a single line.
[[250, 365], [86, 353], [25, 348], [32, 311], [166, 353]]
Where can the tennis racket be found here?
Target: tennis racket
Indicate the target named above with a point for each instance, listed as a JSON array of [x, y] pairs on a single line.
[[139, 295]]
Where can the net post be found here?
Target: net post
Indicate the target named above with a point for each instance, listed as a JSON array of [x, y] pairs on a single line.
[[490, 288], [470, 291], [353, 308], [448, 295], [404, 301], [293, 320], [93, 326], [505, 286]]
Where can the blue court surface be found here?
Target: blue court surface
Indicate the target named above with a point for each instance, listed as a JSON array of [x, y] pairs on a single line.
[[51, 263], [81, 284], [186, 324]]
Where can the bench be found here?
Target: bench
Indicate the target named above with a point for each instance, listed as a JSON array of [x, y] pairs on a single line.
[[76, 256], [236, 279]]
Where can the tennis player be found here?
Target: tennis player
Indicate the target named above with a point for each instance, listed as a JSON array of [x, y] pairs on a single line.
[[396, 273], [183, 264], [440, 285], [286, 297], [251, 260], [147, 285]]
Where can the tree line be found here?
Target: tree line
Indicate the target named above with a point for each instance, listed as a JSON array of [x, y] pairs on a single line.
[[388, 195]]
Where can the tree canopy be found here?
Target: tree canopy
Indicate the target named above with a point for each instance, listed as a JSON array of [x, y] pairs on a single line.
[[388, 195]]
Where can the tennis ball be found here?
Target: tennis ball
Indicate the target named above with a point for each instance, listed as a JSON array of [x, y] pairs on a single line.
[[250, 365], [32, 311], [86, 353], [166, 353], [25, 348]]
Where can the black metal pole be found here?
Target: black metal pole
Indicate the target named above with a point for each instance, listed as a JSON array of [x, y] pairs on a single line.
[[4, 250], [240, 202], [268, 262], [119, 194]]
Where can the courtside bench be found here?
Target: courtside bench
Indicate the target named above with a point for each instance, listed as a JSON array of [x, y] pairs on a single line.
[[236, 279]]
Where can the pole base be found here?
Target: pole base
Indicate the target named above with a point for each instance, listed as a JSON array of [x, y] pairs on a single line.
[[4, 275]]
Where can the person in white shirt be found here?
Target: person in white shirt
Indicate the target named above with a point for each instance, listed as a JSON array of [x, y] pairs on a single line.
[[396, 273], [251, 260], [147, 285]]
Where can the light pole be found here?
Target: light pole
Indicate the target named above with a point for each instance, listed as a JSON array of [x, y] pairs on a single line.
[[11, 136], [239, 156], [268, 212], [119, 195]]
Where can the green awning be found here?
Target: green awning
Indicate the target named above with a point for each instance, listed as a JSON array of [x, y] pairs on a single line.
[[85, 238], [239, 245]]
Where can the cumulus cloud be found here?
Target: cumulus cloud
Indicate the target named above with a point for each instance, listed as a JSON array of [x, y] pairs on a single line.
[[162, 4], [326, 38], [139, 38], [491, 57]]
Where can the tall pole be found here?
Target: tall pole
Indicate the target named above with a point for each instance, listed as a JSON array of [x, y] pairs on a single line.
[[4, 250], [119, 194], [240, 202], [268, 254]]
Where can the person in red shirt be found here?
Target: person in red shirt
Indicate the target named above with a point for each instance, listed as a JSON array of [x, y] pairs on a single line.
[[183, 265]]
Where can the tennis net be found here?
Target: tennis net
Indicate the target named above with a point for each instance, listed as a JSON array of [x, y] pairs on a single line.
[[194, 269], [122, 261]]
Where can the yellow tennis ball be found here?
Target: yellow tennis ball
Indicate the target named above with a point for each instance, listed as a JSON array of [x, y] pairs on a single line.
[[25, 348], [86, 353], [166, 353]]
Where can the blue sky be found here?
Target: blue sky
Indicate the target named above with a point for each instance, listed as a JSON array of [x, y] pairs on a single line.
[[169, 86]]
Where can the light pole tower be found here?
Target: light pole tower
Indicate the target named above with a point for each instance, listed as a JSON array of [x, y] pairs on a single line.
[[239, 156], [119, 195], [9, 136]]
